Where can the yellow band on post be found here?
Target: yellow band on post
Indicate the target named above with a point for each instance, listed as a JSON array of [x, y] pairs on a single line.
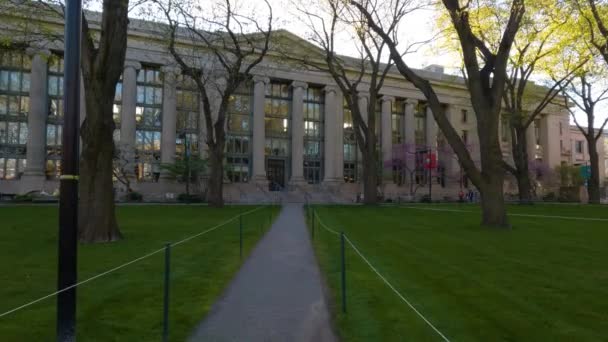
[[68, 177]]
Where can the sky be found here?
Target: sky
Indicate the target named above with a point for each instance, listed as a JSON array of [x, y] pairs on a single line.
[[420, 27]]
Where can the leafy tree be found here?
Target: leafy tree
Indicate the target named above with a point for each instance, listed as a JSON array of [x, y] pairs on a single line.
[[587, 86], [544, 32], [186, 170], [486, 73]]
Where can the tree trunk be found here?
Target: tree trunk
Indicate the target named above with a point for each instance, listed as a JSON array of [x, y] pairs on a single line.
[[593, 184], [491, 184], [97, 218], [216, 177], [522, 170], [493, 209], [370, 175]]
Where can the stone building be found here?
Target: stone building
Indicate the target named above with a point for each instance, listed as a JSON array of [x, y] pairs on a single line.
[[578, 150], [288, 131]]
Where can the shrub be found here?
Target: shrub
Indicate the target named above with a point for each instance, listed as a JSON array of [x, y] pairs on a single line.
[[569, 194], [425, 199], [134, 196], [189, 198], [24, 198], [550, 197]]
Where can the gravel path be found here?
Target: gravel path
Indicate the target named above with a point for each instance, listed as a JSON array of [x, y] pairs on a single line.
[[277, 294]]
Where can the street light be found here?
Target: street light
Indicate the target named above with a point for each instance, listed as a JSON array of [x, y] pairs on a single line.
[[68, 197]]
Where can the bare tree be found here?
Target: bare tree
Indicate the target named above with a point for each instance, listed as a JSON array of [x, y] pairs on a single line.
[[102, 60], [524, 101], [225, 48], [588, 86], [359, 80], [103, 52], [486, 79], [123, 157], [585, 91]]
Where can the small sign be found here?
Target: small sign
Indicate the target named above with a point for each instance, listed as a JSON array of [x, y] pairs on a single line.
[[430, 161], [586, 172]]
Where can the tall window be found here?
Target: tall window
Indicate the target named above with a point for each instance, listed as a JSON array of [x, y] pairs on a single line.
[[537, 131], [464, 116], [350, 147], [277, 120], [397, 120], [54, 121], [314, 114], [14, 108], [420, 129], [148, 118], [579, 146], [188, 115], [238, 140], [117, 110]]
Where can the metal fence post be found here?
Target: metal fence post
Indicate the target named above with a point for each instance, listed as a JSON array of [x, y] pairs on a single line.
[[343, 272], [166, 296], [313, 222], [241, 236], [313, 225]]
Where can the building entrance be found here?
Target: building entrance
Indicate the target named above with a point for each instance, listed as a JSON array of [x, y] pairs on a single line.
[[276, 174]]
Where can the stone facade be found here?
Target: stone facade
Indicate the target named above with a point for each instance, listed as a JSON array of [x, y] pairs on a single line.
[[288, 128]]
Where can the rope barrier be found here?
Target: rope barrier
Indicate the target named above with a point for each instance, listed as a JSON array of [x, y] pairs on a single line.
[[322, 224], [576, 218], [395, 290], [125, 264]]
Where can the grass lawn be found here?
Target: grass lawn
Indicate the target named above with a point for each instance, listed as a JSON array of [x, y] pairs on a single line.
[[544, 280], [127, 304]]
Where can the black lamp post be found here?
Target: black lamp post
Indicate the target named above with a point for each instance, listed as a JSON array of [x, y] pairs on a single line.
[[68, 200]]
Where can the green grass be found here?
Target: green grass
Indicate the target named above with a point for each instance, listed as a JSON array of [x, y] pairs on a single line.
[[544, 280], [127, 304]]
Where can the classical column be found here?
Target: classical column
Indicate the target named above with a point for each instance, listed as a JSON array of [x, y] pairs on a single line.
[[531, 141], [259, 136], [410, 135], [450, 161], [129, 102], [297, 132], [169, 115], [550, 139], [386, 135], [33, 174], [431, 130], [202, 130], [339, 138], [330, 137], [363, 100]]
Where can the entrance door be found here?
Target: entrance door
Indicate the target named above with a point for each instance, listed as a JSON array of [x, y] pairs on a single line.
[[276, 174]]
